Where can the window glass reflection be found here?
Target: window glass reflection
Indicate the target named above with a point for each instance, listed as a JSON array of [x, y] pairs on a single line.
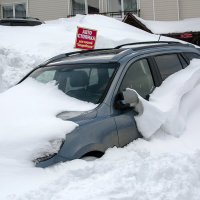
[[7, 11], [93, 6], [78, 7], [114, 5], [20, 10], [130, 5]]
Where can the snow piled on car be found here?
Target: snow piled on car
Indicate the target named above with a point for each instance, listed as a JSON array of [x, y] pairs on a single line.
[[161, 167], [169, 103], [164, 166], [28, 117]]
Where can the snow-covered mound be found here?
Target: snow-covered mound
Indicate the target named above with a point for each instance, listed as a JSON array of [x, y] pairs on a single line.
[[23, 48], [165, 27], [28, 118], [161, 167], [170, 105]]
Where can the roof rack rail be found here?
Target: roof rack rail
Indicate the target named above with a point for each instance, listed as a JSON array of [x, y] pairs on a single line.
[[65, 55], [149, 42]]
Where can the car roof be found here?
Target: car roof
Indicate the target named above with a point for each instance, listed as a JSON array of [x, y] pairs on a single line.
[[99, 56], [114, 54]]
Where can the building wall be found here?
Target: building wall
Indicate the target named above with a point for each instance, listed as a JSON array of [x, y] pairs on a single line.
[[146, 9], [163, 10], [12, 1], [104, 7], [169, 10], [48, 9], [160, 10], [53, 9], [189, 8], [166, 10]]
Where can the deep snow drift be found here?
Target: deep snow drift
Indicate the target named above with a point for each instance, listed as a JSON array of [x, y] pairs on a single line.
[[170, 105], [162, 167], [28, 118]]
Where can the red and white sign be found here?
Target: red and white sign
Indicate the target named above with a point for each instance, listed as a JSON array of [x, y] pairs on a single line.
[[85, 38], [186, 35]]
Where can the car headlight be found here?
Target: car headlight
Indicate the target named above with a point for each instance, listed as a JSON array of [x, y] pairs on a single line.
[[49, 152]]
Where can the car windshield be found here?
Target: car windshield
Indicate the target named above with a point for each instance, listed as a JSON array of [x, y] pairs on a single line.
[[86, 82]]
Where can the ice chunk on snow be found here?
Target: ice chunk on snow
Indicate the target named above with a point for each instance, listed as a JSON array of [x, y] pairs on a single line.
[[165, 109]]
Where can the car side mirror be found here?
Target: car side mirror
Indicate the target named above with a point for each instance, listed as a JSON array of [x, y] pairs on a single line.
[[127, 99]]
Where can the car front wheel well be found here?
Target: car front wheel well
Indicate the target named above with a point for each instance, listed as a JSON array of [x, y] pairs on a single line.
[[97, 154]]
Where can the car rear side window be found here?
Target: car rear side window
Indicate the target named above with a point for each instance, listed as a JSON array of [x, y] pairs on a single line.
[[139, 78], [168, 64]]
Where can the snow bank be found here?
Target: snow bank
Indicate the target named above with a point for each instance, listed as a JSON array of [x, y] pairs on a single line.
[[14, 65], [165, 27], [163, 167], [33, 45], [166, 109], [28, 118]]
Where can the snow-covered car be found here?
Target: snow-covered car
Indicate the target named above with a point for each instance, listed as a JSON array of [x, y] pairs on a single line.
[[27, 21], [102, 78]]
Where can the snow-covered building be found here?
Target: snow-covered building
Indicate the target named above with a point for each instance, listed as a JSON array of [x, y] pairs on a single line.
[[147, 9], [187, 30]]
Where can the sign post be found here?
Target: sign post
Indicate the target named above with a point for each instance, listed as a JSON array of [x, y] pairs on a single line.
[[85, 38]]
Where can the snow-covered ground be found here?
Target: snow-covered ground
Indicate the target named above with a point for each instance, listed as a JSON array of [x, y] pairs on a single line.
[[163, 167]]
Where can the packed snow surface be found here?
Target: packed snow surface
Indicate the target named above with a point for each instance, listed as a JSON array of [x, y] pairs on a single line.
[[163, 167], [165, 27]]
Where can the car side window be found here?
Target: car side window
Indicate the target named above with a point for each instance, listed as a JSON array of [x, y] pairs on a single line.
[[139, 78], [168, 64]]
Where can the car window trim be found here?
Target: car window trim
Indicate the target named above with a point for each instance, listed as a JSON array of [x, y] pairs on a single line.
[[180, 55], [155, 71]]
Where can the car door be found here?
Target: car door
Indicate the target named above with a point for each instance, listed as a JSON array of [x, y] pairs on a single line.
[[138, 76]]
